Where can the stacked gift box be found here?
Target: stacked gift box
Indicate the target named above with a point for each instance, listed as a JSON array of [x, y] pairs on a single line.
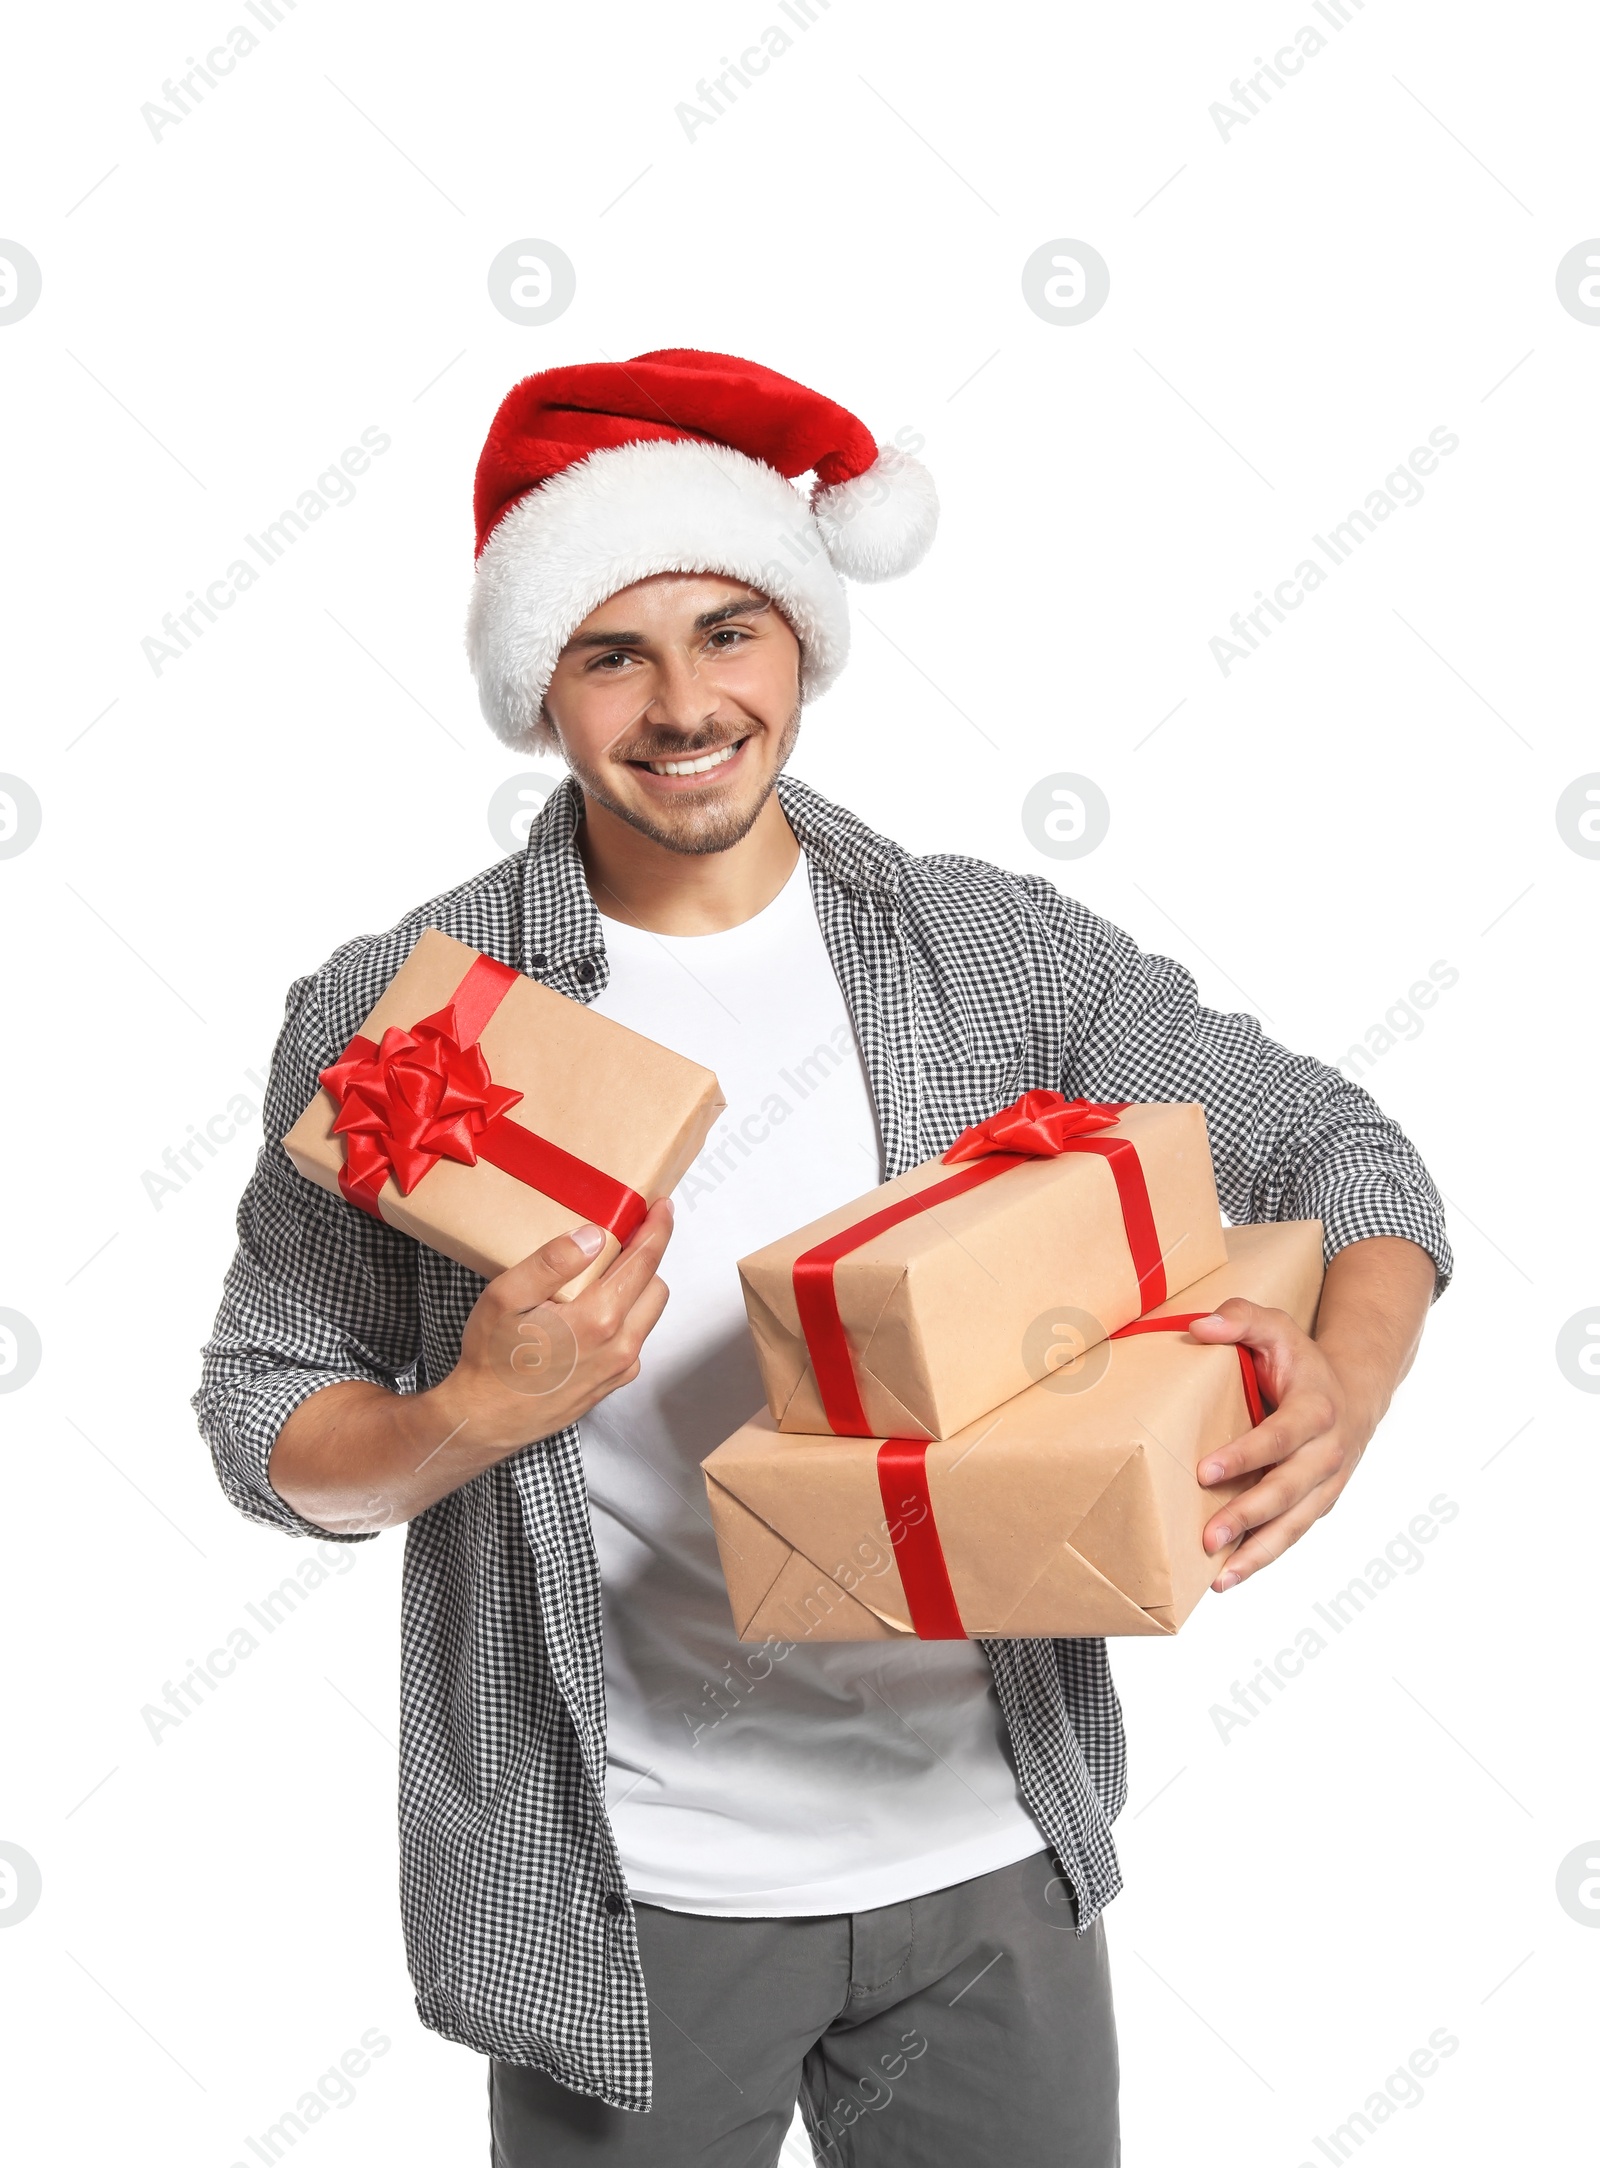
[[984, 1410]]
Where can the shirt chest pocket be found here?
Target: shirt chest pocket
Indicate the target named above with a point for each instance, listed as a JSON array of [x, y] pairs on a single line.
[[957, 1093]]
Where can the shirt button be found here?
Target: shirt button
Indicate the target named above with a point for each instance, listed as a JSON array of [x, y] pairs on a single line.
[[613, 1903], [586, 970], [537, 960]]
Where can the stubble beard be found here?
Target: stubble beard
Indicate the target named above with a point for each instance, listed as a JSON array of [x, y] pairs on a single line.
[[697, 831]]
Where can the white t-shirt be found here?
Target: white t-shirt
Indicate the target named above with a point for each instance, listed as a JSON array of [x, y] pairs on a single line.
[[847, 1774]]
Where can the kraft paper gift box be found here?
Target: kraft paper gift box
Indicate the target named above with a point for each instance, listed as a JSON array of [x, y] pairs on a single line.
[[1073, 1509], [979, 1264], [485, 1114]]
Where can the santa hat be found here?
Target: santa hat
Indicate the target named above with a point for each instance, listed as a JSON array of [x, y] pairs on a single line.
[[601, 474]]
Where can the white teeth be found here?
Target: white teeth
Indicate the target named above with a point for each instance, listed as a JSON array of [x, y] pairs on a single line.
[[693, 767]]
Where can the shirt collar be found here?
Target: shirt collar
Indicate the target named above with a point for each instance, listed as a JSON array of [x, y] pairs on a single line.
[[561, 929]]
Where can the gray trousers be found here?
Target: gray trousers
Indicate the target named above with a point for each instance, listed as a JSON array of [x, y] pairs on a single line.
[[970, 2026]]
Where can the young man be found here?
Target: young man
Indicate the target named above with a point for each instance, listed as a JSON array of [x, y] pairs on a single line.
[[644, 1868]]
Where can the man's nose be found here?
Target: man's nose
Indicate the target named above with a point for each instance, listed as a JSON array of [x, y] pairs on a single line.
[[681, 698]]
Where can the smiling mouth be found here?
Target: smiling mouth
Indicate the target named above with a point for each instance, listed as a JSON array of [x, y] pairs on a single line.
[[694, 764]]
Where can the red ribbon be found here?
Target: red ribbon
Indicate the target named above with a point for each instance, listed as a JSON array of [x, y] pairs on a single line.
[[426, 1094], [1254, 1403], [908, 1504], [1039, 1125], [903, 1487]]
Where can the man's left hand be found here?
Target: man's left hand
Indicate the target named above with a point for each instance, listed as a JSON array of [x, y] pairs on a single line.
[[1309, 1446]]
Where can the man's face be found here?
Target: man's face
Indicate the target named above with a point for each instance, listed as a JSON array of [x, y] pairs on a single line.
[[683, 672]]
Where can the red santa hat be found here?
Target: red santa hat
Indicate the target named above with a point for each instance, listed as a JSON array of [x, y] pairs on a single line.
[[601, 474]]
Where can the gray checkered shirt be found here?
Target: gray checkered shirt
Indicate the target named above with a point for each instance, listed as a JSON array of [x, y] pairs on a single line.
[[967, 985]]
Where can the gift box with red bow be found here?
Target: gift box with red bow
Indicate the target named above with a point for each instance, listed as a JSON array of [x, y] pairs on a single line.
[[948, 1290], [1072, 1509], [485, 1114]]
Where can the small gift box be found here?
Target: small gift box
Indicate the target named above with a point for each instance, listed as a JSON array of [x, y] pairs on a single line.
[[951, 1288], [1072, 1509], [484, 1114]]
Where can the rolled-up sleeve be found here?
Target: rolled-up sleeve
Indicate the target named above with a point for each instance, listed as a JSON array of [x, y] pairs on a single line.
[[318, 1292], [1291, 1138]]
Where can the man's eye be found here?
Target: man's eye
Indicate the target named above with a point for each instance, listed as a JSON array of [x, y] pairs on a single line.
[[607, 662], [729, 632]]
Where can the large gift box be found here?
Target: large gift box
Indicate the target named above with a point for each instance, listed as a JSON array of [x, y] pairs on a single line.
[[484, 1114], [1072, 1509], [948, 1290]]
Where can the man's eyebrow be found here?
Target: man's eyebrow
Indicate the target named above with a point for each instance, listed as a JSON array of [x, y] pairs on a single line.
[[747, 606]]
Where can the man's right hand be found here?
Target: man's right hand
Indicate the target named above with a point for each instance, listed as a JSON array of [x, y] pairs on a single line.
[[355, 1457], [529, 1365]]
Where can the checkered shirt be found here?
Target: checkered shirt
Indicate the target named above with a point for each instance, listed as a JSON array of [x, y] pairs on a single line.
[[967, 984]]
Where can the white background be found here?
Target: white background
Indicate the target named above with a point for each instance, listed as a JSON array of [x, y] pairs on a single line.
[[304, 256]]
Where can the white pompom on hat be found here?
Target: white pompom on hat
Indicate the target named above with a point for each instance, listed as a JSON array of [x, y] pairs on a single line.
[[598, 475]]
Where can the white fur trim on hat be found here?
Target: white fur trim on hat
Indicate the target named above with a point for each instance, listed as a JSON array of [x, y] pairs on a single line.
[[667, 505], [621, 515], [882, 523]]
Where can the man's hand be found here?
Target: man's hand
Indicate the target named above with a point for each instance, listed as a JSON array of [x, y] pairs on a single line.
[[530, 1365], [1329, 1395], [1311, 1444], [355, 1458]]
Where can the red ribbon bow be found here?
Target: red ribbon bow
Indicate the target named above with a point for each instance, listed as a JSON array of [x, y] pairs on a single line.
[[426, 1094], [418, 1097], [1040, 1124]]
